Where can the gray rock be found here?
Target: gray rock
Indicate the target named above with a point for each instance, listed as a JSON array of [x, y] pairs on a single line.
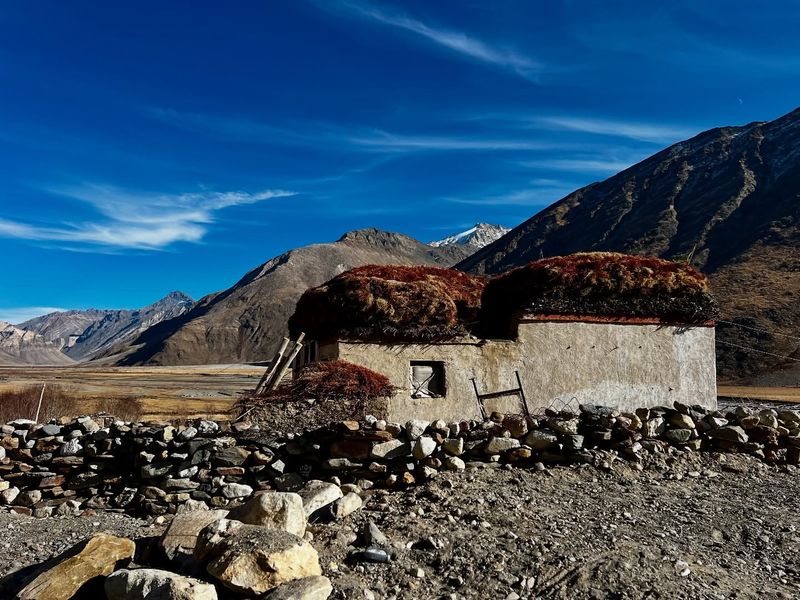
[[230, 457], [236, 490], [390, 449], [678, 436], [206, 427], [70, 448], [573, 442], [155, 584], [453, 446], [423, 447], [319, 494], [498, 445], [716, 422], [8, 496], [28, 498], [789, 416], [187, 434], [315, 587], [731, 433], [565, 426], [278, 510], [173, 485], [372, 535], [681, 421], [415, 428], [50, 430], [155, 470], [346, 505], [653, 427], [453, 463], [541, 439], [180, 537]]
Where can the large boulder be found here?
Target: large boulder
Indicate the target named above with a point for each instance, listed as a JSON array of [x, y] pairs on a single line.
[[249, 559], [180, 536], [85, 563], [277, 510], [155, 584]]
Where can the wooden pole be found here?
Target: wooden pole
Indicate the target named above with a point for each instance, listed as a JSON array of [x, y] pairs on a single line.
[[262, 384], [39, 406], [274, 382]]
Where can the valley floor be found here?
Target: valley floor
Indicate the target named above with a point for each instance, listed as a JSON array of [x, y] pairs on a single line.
[[210, 391], [166, 392], [703, 526]]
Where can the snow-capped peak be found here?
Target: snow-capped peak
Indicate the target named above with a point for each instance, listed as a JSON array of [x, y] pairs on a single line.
[[482, 234]]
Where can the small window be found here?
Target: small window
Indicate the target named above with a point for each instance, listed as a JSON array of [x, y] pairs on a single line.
[[427, 379]]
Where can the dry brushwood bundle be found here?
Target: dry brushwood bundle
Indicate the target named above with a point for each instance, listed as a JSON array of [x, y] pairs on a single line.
[[390, 302], [600, 284]]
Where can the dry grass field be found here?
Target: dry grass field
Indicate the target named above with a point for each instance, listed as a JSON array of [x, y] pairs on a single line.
[[164, 392], [209, 390], [772, 394]]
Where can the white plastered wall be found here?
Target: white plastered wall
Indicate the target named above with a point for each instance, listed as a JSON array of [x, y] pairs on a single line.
[[560, 364]]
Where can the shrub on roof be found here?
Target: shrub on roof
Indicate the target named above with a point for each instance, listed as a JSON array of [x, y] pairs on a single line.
[[390, 302], [597, 283]]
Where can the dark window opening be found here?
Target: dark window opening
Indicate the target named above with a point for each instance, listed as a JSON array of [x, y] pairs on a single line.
[[427, 379]]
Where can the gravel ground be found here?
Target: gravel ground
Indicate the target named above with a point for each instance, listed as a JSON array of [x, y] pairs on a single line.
[[703, 526]]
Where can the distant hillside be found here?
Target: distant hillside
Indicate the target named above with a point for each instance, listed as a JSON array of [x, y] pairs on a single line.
[[19, 347], [475, 238], [81, 334], [247, 321], [728, 200]]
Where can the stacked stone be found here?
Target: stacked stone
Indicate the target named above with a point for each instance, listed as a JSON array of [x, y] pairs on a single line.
[[67, 466], [396, 455]]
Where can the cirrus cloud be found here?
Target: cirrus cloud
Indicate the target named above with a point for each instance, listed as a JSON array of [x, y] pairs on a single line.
[[135, 220]]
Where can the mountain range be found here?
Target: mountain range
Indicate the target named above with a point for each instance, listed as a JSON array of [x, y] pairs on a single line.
[[246, 322], [19, 347], [728, 202], [65, 337]]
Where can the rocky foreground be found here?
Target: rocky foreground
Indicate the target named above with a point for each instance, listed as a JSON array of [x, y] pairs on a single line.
[[692, 526], [661, 503]]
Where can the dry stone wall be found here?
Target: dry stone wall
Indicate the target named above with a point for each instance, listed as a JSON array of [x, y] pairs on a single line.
[[69, 466]]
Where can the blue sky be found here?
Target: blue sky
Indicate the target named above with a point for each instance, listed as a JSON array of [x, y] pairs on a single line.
[[152, 146]]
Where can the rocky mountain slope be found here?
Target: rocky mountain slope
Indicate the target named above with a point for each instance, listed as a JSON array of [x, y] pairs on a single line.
[[727, 200], [81, 334], [477, 237], [19, 347], [247, 321]]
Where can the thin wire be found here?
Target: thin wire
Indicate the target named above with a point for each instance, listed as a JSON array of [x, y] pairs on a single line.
[[759, 351], [786, 335]]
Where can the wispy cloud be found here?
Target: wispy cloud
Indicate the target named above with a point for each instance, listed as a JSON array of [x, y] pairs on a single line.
[[387, 142], [355, 138], [20, 314], [580, 165], [527, 197], [645, 132], [455, 41], [134, 220]]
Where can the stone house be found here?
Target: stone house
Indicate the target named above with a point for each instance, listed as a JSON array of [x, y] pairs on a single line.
[[519, 355]]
